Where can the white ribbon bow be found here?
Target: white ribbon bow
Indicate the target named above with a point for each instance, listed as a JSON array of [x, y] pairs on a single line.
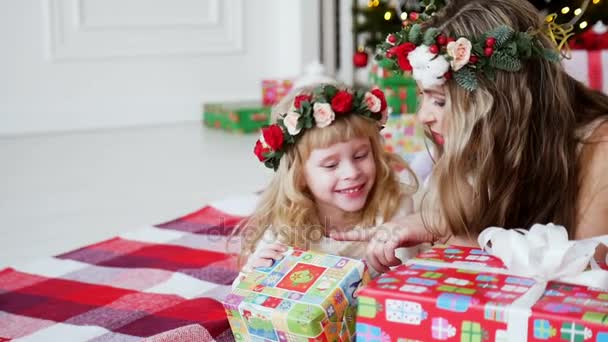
[[543, 253]]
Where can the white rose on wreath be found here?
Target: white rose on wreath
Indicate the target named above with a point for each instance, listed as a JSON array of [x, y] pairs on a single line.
[[427, 67]]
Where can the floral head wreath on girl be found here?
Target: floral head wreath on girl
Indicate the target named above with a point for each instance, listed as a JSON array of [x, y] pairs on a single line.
[[433, 57], [319, 109]]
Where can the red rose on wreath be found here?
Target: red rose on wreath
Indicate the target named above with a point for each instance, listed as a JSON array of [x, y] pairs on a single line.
[[259, 151], [273, 136], [297, 102], [401, 52], [380, 95], [342, 102]]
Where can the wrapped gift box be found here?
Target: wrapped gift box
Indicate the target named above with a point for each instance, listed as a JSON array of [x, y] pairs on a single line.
[[306, 296], [399, 89], [589, 67], [244, 117], [403, 135], [458, 294], [274, 90]]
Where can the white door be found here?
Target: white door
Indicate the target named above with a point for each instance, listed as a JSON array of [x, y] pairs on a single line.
[[85, 64]]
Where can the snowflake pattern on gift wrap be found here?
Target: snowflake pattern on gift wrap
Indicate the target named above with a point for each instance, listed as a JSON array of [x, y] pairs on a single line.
[[401, 311], [573, 332], [543, 329], [273, 279], [441, 329], [455, 302], [413, 288], [285, 306]]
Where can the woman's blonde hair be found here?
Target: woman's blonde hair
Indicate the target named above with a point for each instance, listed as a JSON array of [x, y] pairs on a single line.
[[510, 159], [288, 208]]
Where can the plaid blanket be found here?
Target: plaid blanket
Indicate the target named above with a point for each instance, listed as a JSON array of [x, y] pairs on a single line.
[[158, 283]]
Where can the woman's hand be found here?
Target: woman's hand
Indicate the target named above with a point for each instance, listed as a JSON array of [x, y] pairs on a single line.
[[266, 256], [385, 239]]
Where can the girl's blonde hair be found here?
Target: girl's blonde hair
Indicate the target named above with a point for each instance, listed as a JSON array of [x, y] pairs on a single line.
[[288, 208], [510, 159]]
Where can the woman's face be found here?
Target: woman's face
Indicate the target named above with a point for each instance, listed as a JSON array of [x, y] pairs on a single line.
[[432, 111]]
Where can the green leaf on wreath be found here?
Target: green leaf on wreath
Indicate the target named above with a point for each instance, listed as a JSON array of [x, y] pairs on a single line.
[[415, 35], [465, 78]]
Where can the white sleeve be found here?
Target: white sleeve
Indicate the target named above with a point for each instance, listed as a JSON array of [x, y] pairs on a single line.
[[267, 239]]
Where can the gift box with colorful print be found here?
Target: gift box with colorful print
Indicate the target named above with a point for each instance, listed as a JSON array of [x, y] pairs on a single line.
[[274, 90], [464, 294], [399, 89], [403, 135], [306, 296], [244, 117]]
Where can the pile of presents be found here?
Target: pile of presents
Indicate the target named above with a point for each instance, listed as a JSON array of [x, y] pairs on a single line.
[[403, 135], [447, 293], [246, 117]]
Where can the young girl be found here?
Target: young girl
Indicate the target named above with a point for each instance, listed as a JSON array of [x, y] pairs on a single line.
[[520, 141], [332, 174]]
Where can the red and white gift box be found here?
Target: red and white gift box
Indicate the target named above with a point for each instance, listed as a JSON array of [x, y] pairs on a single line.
[[589, 67], [465, 294]]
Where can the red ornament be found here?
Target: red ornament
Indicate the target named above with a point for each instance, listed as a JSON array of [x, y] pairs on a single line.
[[447, 75], [490, 41], [413, 16], [360, 59], [473, 59], [434, 49], [488, 51], [442, 40], [391, 38]]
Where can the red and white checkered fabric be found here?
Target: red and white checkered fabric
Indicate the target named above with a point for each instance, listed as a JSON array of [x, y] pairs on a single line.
[[146, 284]]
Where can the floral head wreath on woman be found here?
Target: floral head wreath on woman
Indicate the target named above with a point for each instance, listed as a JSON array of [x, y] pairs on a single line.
[[319, 109], [433, 57]]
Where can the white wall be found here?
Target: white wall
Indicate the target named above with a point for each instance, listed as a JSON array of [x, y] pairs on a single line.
[[86, 64]]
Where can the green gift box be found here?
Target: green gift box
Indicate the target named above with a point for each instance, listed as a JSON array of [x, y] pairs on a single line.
[[400, 89], [244, 117], [306, 296]]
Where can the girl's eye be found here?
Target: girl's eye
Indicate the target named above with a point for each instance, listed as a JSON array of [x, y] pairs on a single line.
[[329, 166], [361, 155], [439, 103]]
